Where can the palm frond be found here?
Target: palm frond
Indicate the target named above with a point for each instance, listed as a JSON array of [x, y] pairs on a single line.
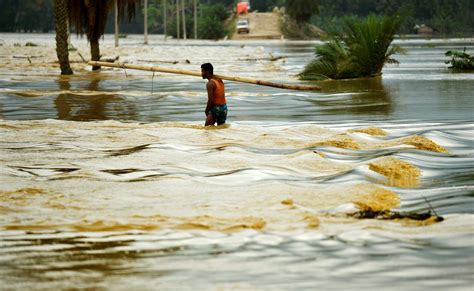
[[90, 16]]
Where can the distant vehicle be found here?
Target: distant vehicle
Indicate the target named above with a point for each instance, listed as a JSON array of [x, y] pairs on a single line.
[[243, 7], [243, 26]]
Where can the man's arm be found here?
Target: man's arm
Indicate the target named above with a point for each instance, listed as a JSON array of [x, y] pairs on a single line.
[[210, 96]]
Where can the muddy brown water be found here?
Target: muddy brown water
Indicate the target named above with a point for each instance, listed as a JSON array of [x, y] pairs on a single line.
[[110, 181]]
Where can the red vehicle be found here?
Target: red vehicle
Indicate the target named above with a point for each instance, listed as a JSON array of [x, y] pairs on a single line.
[[242, 8]]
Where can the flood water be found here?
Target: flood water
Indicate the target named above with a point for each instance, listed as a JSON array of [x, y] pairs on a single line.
[[110, 181]]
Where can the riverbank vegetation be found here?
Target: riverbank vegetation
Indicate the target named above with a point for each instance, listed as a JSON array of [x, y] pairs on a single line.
[[444, 17], [460, 60], [359, 49]]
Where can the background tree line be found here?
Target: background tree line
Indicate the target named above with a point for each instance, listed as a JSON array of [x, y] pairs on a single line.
[[444, 16]]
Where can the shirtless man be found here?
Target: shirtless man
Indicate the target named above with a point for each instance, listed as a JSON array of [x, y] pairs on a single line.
[[216, 109]]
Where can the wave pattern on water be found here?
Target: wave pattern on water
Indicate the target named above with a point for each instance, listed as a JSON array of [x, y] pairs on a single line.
[[241, 261], [262, 203]]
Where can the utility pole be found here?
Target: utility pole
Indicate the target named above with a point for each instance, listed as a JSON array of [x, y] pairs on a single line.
[[164, 17], [184, 19], [145, 15], [195, 20], [177, 18], [116, 25]]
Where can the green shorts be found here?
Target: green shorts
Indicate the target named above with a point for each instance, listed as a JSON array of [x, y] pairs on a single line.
[[219, 112]]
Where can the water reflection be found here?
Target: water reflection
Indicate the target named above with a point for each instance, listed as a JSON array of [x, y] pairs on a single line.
[[357, 97], [93, 106], [82, 257]]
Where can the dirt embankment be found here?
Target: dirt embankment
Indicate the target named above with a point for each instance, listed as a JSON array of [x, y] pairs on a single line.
[[262, 26]]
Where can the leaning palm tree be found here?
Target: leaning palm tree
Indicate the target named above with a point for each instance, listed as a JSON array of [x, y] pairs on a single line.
[[360, 49], [90, 17]]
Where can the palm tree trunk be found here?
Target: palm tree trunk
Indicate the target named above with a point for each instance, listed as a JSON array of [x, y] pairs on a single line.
[[116, 24], [184, 18], [195, 20], [164, 17], [95, 52], [177, 18], [62, 33], [145, 22]]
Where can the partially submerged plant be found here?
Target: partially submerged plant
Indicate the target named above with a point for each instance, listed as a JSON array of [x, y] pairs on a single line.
[[391, 215], [360, 49], [460, 60]]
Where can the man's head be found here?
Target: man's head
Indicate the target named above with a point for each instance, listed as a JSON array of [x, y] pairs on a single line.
[[207, 70]]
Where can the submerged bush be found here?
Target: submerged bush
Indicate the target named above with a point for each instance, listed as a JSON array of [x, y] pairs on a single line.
[[460, 60], [360, 49]]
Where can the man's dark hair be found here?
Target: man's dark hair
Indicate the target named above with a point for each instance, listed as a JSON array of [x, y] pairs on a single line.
[[208, 68]]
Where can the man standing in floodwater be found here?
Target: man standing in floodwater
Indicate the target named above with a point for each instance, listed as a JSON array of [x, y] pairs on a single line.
[[216, 109]]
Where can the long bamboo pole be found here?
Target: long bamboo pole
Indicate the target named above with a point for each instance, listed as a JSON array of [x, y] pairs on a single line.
[[198, 74]]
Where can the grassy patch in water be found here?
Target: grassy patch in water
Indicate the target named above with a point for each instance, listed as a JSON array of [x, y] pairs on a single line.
[[460, 60]]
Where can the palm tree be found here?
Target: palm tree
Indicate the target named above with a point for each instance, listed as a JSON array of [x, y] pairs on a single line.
[[360, 49], [62, 35], [369, 42], [90, 17]]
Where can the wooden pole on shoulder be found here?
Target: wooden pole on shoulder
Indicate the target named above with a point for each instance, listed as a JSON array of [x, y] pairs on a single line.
[[198, 74]]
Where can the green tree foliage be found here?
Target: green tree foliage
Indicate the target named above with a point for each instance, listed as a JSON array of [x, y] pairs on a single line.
[[172, 30], [155, 18], [218, 11], [444, 16], [359, 49], [226, 3], [301, 10], [26, 15], [211, 28], [211, 24], [266, 5], [134, 25]]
